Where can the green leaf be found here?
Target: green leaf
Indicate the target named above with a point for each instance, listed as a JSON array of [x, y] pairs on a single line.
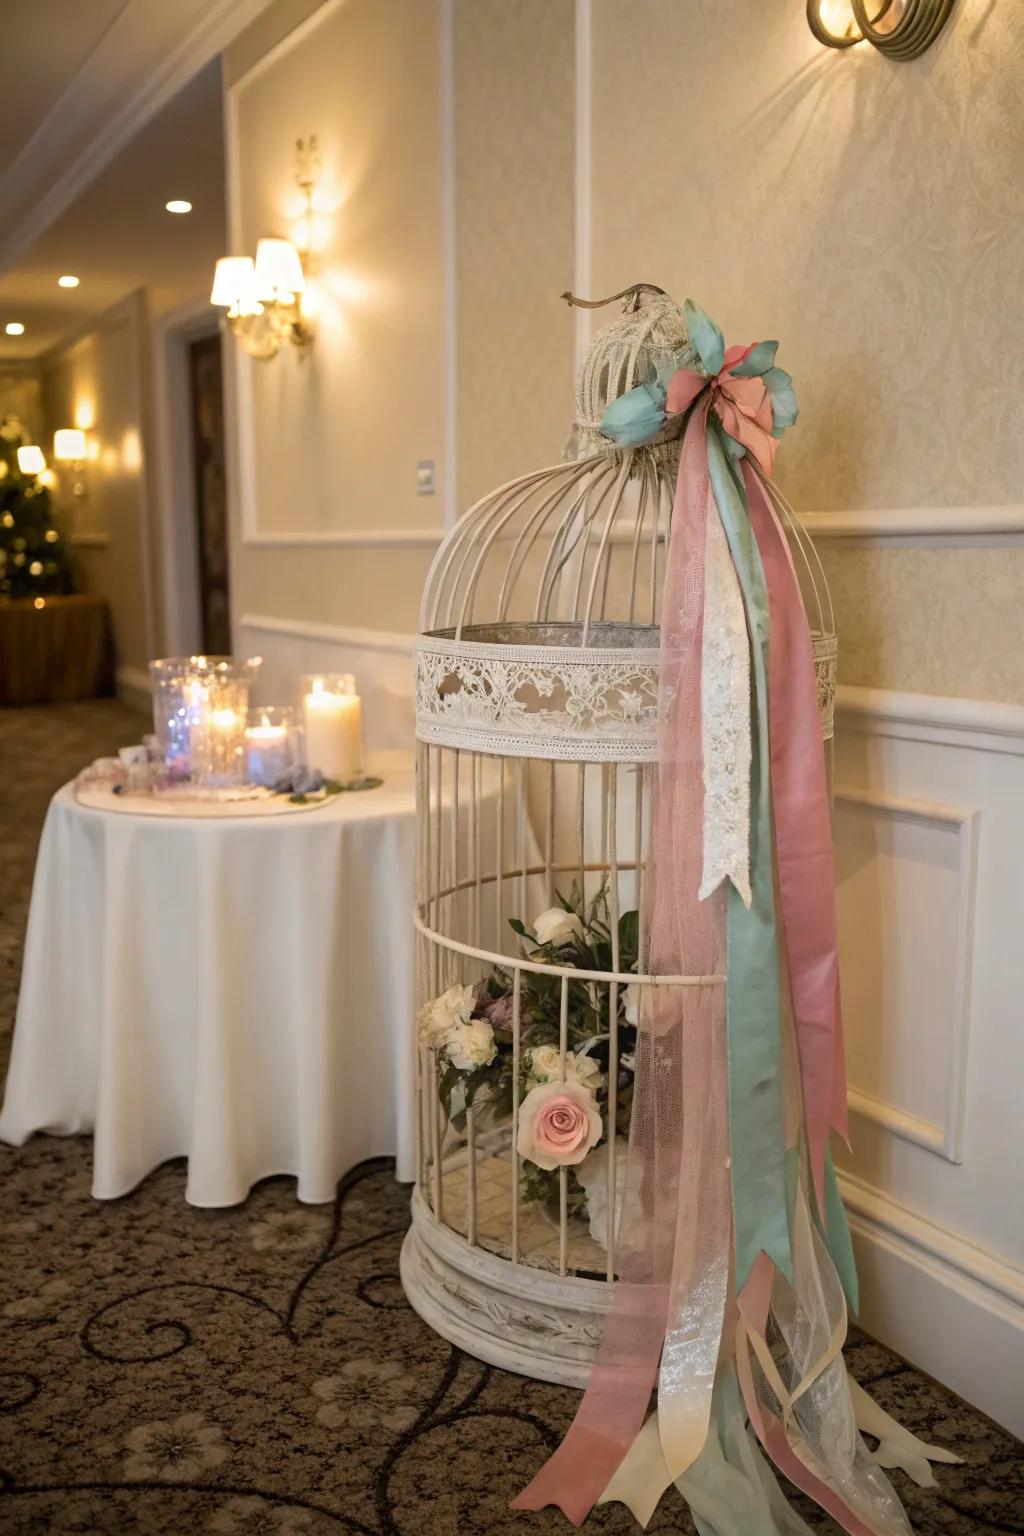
[[629, 939], [757, 361], [706, 337]]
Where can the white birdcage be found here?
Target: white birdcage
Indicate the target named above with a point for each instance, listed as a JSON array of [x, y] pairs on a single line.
[[537, 695]]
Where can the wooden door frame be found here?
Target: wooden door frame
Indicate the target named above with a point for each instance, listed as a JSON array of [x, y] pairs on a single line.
[[176, 533]]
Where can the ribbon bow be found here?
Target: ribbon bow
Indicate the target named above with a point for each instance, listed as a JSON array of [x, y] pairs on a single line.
[[754, 401]]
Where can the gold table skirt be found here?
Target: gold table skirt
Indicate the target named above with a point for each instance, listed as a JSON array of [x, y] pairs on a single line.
[[58, 652]]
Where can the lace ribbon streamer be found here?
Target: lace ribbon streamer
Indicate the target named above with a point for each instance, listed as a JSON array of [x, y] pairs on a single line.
[[725, 716]]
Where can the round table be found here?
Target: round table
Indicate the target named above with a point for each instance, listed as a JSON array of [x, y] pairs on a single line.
[[237, 992]]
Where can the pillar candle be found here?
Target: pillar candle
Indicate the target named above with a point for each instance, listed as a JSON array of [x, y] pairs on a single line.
[[334, 730]]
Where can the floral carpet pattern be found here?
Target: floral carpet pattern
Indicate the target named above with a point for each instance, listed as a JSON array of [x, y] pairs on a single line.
[[257, 1371]]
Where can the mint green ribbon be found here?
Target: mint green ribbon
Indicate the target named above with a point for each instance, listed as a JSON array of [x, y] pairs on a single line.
[[756, 1123]]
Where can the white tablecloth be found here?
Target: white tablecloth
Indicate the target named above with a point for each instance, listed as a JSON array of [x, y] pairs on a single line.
[[237, 992]]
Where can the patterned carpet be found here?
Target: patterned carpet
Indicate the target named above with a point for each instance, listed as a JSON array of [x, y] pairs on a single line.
[[256, 1371]]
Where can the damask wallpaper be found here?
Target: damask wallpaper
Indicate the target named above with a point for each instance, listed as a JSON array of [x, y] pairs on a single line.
[[869, 214], [947, 621], [515, 163]]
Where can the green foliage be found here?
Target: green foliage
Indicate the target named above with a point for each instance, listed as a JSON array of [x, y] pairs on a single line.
[[34, 559]]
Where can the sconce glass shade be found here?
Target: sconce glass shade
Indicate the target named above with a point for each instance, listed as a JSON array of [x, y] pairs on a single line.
[[30, 459], [279, 274], [234, 285], [69, 445]]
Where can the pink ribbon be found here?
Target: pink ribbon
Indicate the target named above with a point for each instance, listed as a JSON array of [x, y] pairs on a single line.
[[743, 406], [803, 835], [672, 1242]]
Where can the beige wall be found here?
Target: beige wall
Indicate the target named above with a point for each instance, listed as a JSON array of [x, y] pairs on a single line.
[[729, 158], [20, 396], [870, 215], [327, 446], [514, 178], [99, 383]]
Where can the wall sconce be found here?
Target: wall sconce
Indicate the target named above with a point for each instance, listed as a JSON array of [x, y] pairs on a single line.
[[69, 447], [30, 459], [899, 29], [263, 298]]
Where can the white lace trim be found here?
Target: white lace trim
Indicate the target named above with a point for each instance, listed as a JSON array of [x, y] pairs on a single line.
[[725, 712], [567, 703]]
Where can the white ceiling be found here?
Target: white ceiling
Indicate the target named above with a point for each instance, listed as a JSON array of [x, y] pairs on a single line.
[[108, 109], [45, 47], [118, 236]]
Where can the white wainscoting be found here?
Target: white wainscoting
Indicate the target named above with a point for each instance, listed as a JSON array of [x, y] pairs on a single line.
[[929, 851], [381, 661]]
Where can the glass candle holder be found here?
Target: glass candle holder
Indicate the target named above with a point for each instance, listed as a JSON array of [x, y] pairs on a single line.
[[332, 721], [217, 705], [182, 689], [271, 746], [171, 725]]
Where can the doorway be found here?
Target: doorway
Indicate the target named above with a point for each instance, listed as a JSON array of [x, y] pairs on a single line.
[[206, 392]]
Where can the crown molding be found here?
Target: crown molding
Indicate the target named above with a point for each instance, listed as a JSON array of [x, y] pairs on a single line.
[[140, 63]]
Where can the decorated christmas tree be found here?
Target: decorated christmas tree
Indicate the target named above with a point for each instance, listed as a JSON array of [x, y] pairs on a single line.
[[34, 559]]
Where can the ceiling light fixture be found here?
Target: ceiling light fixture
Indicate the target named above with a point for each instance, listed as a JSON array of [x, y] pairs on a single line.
[[67, 281], [14, 328], [178, 205], [264, 298], [899, 29]]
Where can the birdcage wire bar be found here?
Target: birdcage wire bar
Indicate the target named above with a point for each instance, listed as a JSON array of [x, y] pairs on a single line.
[[537, 714]]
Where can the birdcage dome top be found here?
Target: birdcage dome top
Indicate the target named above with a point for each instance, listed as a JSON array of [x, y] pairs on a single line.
[[540, 625]]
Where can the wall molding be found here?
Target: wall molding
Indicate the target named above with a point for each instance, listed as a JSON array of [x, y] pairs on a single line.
[[945, 1140], [938, 526], [242, 367], [133, 64], [341, 538], [879, 1212], [333, 634], [582, 264], [450, 360], [975, 723], [87, 540]]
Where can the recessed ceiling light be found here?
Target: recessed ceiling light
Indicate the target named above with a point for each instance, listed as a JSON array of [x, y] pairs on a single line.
[[14, 328], [67, 281], [178, 205]]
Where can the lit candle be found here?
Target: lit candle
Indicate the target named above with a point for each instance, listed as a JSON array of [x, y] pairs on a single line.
[[332, 714], [270, 755]]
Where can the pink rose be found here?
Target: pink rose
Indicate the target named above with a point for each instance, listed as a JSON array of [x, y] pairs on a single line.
[[558, 1124]]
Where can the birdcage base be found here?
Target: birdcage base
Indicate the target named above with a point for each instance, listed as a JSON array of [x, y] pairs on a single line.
[[515, 1316]]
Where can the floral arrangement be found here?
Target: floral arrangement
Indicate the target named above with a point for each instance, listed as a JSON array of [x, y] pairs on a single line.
[[561, 1121]]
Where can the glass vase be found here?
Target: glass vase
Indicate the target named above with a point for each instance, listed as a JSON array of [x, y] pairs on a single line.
[[271, 746]]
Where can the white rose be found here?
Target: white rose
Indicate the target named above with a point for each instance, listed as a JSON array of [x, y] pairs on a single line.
[[438, 1018], [471, 1045], [556, 926], [558, 1124], [593, 1175], [579, 1068]]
